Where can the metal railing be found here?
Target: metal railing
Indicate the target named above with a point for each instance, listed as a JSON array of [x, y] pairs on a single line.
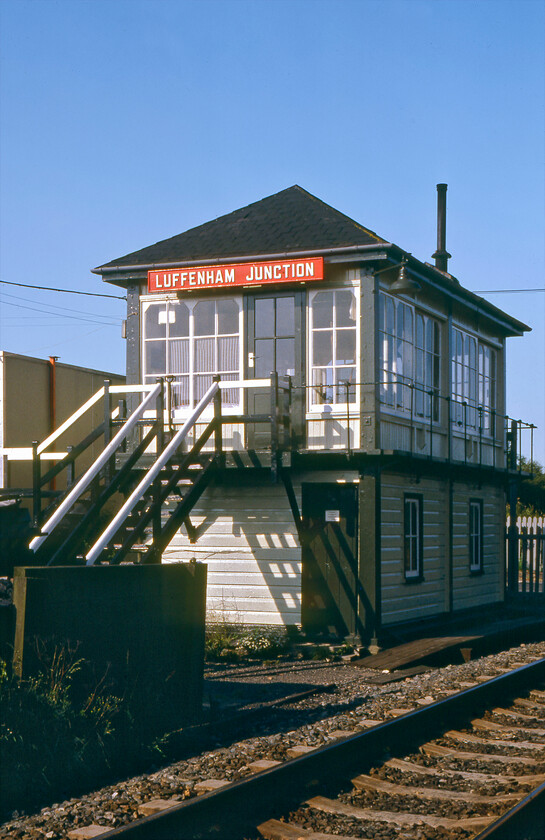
[[149, 477], [85, 481], [438, 416]]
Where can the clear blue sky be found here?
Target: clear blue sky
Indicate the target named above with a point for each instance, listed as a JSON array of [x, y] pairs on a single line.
[[127, 121]]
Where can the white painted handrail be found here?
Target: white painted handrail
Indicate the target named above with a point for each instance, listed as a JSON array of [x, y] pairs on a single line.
[[93, 470], [149, 477]]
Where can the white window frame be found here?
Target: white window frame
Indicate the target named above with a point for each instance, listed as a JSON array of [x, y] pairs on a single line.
[[398, 394], [474, 377], [339, 407], [413, 539], [181, 412], [476, 536]]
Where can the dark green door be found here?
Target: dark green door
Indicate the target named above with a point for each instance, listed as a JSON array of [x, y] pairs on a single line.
[[271, 347], [330, 551]]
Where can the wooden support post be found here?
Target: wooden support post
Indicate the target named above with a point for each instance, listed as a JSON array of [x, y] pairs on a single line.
[[155, 557], [107, 472], [274, 427], [160, 416], [512, 534], [36, 482], [70, 468], [369, 566], [218, 427]]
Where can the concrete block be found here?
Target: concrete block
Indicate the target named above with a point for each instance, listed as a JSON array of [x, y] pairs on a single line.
[[300, 749], [154, 806], [87, 832], [210, 784], [263, 764]]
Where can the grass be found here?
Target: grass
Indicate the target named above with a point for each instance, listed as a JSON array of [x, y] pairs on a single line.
[[58, 736]]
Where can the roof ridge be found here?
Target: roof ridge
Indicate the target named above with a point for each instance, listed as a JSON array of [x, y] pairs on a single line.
[[292, 219]]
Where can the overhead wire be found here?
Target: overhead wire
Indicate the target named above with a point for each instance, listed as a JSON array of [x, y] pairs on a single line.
[[65, 291], [110, 323], [52, 306]]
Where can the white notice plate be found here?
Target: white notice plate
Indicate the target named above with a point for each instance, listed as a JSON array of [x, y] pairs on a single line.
[[332, 516]]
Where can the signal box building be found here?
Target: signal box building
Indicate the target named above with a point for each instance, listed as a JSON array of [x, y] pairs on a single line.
[[363, 475]]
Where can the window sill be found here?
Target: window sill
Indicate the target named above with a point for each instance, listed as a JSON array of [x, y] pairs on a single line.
[[410, 581], [476, 572]]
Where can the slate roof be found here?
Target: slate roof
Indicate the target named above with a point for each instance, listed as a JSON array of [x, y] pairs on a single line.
[[288, 221]]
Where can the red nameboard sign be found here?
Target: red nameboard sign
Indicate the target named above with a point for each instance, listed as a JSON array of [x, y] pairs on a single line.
[[206, 277]]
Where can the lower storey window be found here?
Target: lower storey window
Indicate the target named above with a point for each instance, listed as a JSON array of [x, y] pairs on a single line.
[[191, 341], [476, 535], [413, 544]]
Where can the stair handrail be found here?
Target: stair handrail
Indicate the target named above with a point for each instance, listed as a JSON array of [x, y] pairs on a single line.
[[149, 477], [49, 526]]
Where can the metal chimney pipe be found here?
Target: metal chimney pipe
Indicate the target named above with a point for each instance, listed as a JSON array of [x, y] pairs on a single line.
[[441, 256]]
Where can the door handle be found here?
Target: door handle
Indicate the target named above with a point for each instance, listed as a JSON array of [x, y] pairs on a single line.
[[251, 360]]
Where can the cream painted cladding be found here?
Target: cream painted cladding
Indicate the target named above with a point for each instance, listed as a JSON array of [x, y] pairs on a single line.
[[470, 589], [247, 537], [403, 600]]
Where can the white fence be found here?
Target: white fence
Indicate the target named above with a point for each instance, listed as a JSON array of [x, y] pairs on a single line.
[[531, 553]]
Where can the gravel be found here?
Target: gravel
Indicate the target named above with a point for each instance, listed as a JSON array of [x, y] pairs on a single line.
[[353, 703]]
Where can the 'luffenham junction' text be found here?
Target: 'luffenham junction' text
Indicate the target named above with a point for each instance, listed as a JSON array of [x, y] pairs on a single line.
[[243, 274]]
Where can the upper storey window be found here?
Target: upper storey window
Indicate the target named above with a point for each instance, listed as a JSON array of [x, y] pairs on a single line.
[[333, 347], [192, 341], [409, 359], [473, 382]]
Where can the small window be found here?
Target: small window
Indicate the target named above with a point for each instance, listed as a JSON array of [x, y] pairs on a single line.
[[476, 535], [413, 544]]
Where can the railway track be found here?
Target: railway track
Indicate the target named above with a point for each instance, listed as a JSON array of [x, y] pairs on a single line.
[[470, 765]]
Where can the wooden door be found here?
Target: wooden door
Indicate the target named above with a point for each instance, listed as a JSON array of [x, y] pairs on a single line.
[[330, 565]]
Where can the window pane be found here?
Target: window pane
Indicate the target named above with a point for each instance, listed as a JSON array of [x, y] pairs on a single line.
[[322, 390], [180, 392], [345, 379], [155, 357], [264, 357], [204, 317], [390, 320], [178, 352], [322, 310], [419, 331], [346, 308], [153, 328], [285, 356], [285, 316], [346, 347], [323, 348], [201, 386], [264, 318], [178, 319], [408, 324], [204, 354], [227, 316], [228, 354]]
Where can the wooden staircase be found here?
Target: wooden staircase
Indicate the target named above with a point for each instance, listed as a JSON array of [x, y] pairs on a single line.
[[129, 508]]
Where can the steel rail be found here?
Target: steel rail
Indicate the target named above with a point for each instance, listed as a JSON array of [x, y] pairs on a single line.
[[525, 821], [235, 810]]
